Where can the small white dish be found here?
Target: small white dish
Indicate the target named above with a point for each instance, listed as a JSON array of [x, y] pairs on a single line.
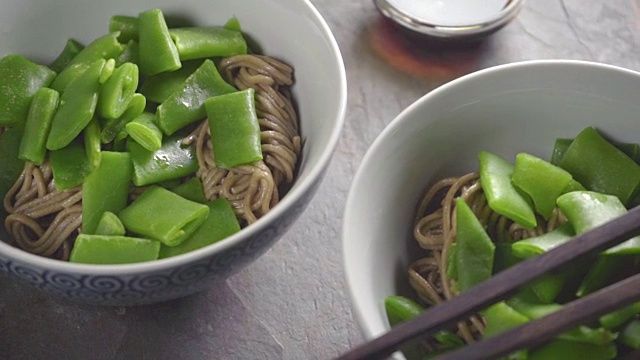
[[451, 19]]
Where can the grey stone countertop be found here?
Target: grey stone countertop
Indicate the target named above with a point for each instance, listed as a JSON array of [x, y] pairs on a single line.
[[292, 302]]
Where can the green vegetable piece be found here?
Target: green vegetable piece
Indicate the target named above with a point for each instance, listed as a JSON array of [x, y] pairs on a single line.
[[192, 190], [504, 257], [542, 181], [21, 79], [235, 132], [92, 143], [110, 224], [562, 145], [614, 319], [164, 216], [233, 24], [400, 309], [186, 105], [144, 131], [77, 107], [106, 189], [107, 71], [173, 160], [502, 196], [70, 50], [590, 156], [70, 166], [158, 53], [448, 339], [559, 148], [70, 73], [630, 335], [220, 224], [159, 87], [206, 42], [531, 247], [548, 286], [10, 165], [571, 350], [475, 250], [530, 309], [117, 92], [573, 186], [38, 124], [605, 270], [103, 48], [130, 54], [586, 210], [103, 249], [127, 26], [501, 317], [452, 262], [114, 127]]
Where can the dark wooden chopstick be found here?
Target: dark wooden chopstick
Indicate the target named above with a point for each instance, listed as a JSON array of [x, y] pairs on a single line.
[[499, 287], [539, 331]]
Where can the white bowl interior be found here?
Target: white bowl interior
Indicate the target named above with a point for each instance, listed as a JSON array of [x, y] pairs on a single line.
[[507, 109], [291, 30]]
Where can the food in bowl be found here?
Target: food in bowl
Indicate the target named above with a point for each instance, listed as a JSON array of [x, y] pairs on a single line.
[[475, 225], [109, 150]]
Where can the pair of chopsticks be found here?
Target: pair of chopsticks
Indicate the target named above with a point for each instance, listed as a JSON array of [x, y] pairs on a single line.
[[505, 283]]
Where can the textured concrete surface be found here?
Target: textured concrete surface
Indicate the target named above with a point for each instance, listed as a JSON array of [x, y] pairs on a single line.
[[292, 302]]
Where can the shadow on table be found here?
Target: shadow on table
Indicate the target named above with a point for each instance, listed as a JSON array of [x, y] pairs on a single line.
[[213, 325]]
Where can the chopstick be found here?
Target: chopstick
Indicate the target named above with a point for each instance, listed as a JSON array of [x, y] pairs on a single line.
[[505, 283]]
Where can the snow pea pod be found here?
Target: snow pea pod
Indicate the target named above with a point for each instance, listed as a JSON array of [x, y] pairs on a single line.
[[573, 350], [105, 47], [192, 190], [21, 79], [630, 335], [70, 50], [117, 91], [541, 180], [475, 250], [186, 105], [106, 189], [502, 196], [537, 245], [114, 127], [77, 107], [144, 131], [219, 224], [206, 42], [172, 161], [159, 87], [590, 156], [127, 26], [70, 165], [130, 54], [501, 317], [586, 210], [110, 224], [33, 143], [235, 132], [561, 146], [92, 143], [103, 249], [10, 164], [164, 216], [400, 309], [158, 53], [619, 317]]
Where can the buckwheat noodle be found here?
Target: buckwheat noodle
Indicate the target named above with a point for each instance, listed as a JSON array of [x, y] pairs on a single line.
[[434, 231], [45, 221]]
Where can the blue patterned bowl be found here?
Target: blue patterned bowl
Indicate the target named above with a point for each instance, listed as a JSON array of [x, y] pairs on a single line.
[[289, 29]]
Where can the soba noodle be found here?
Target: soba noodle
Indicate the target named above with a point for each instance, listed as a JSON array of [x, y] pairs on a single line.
[[434, 231], [45, 221]]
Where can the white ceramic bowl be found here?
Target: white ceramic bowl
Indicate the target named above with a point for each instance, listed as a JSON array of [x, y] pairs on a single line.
[[505, 109], [292, 30]]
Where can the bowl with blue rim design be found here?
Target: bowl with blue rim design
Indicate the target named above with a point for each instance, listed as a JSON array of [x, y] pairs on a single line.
[[39, 29]]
